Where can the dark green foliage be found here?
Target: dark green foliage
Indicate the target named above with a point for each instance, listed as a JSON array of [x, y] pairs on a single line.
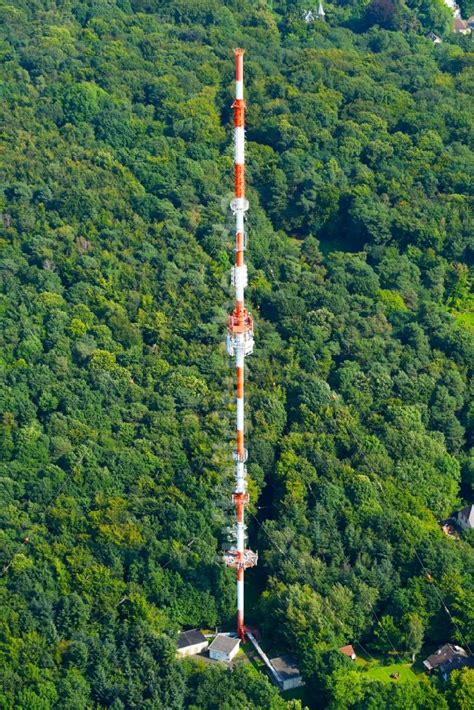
[[116, 399]]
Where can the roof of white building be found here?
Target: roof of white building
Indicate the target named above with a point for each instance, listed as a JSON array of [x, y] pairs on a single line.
[[190, 638], [224, 644], [286, 667]]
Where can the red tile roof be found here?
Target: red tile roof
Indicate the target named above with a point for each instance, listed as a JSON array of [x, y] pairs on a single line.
[[348, 651], [460, 24]]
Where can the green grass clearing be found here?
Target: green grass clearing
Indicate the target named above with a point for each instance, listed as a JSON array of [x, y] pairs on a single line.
[[465, 320], [382, 673]]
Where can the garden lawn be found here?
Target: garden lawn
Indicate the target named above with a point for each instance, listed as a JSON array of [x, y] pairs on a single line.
[[382, 673]]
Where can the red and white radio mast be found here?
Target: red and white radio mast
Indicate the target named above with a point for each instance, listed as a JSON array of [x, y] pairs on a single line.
[[240, 344]]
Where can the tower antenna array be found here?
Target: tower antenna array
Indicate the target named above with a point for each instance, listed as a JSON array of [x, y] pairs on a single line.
[[240, 344]]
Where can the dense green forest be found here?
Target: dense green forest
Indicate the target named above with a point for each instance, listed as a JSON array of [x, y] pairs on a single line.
[[116, 401]]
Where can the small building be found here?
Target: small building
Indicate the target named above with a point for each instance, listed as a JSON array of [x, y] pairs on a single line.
[[446, 659], [443, 655], [470, 22], [465, 518], [348, 651], [461, 27], [434, 38], [287, 671], [190, 643], [224, 648]]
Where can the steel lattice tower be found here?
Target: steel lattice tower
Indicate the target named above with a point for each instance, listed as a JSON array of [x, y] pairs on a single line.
[[240, 343]]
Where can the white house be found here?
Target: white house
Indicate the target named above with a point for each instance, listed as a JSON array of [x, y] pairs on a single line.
[[190, 643], [224, 648], [288, 673], [465, 518]]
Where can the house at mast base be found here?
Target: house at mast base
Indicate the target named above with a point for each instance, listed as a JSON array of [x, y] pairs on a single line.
[[288, 673], [224, 648], [191, 643]]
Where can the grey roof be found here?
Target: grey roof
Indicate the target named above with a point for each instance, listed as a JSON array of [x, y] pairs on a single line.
[[224, 644], [285, 666], [468, 513], [190, 638], [443, 655], [456, 664]]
